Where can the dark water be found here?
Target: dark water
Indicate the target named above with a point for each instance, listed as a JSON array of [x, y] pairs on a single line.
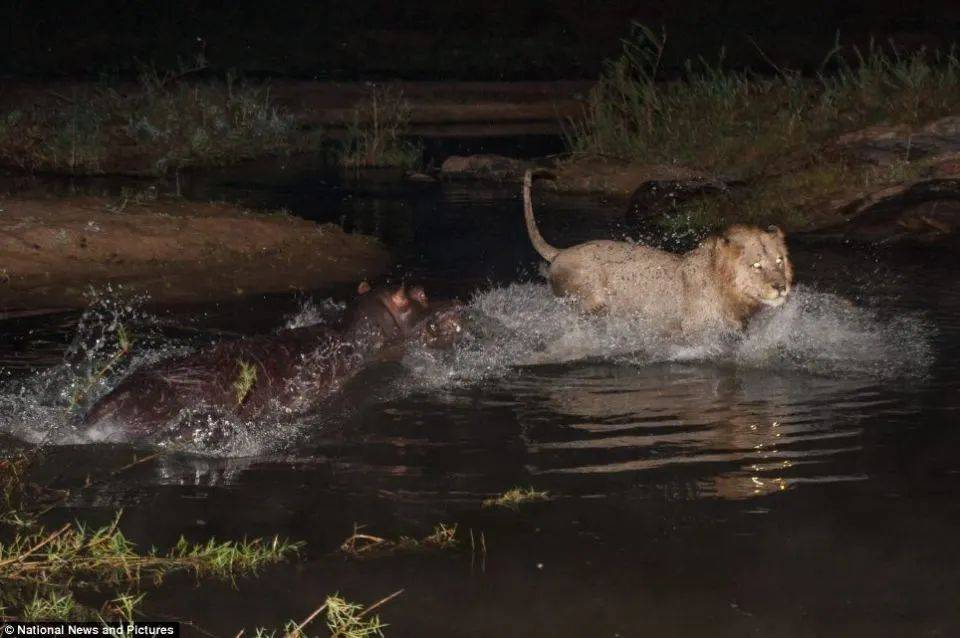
[[803, 484]]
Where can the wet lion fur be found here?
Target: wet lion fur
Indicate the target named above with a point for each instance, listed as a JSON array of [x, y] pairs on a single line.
[[719, 285]]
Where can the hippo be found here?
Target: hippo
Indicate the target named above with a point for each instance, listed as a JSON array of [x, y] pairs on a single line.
[[285, 373]]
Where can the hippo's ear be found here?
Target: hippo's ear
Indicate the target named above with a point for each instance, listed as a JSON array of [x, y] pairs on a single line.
[[363, 288], [417, 293], [399, 298]]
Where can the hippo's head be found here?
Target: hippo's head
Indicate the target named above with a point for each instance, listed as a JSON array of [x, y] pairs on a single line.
[[399, 312], [392, 311]]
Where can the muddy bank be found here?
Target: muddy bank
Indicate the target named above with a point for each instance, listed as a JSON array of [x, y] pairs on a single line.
[[53, 250]]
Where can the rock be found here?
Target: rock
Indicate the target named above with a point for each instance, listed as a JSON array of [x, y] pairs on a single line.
[[422, 178], [888, 144], [925, 211], [484, 167], [658, 197]]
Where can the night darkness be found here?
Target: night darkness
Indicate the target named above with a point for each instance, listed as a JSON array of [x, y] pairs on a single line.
[[516, 40], [507, 318]]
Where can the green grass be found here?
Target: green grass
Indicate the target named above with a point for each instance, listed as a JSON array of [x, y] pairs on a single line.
[[22, 501], [46, 574], [105, 555], [514, 498], [375, 138], [80, 573], [742, 124], [41, 571], [168, 123], [771, 131], [246, 379], [55, 605], [344, 619]]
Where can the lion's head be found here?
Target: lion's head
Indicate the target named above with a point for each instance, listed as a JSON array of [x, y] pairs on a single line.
[[756, 264]]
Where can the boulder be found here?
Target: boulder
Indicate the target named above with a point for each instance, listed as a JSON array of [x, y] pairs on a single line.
[[484, 167], [924, 211], [618, 178], [658, 197], [885, 144]]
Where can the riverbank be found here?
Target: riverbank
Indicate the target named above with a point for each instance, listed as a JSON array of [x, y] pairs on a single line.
[[168, 121], [54, 250]]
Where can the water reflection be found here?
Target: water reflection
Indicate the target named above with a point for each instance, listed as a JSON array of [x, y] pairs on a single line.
[[752, 432]]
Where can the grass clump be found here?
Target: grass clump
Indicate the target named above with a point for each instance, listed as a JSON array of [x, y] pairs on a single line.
[[516, 497], [740, 123], [52, 604], [12, 473], [205, 123], [246, 379], [349, 620], [70, 137], [77, 554], [344, 619], [375, 138], [23, 501], [360, 545], [41, 572], [96, 376], [168, 122]]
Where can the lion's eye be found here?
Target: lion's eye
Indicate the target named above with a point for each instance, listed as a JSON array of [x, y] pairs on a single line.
[[779, 260], [756, 265]]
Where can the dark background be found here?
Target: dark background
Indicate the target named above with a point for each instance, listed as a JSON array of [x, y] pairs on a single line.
[[454, 39]]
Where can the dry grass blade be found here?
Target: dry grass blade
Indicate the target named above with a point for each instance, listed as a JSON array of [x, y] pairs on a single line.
[[516, 497], [22, 556], [360, 545]]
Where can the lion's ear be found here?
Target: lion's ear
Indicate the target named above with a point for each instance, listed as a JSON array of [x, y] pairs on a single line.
[[419, 294], [776, 231]]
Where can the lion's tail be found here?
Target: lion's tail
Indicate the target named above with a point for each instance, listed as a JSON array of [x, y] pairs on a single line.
[[547, 251]]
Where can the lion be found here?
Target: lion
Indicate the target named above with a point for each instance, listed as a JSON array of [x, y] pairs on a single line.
[[718, 286]]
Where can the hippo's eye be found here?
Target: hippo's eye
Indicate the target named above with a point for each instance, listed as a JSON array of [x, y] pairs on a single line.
[[756, 265]]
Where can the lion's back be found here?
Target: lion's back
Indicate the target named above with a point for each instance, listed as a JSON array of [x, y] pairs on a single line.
[[619, 277]]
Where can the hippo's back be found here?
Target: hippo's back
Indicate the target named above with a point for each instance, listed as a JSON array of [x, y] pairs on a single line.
[[238, 378]]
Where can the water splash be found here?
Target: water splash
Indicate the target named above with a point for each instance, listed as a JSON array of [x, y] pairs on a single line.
[[312, 313], [813, 332], [43, 407], [515, 326], [46, 407]]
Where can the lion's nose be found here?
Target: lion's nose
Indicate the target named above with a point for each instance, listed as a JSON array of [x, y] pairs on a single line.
[[780, 288]]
